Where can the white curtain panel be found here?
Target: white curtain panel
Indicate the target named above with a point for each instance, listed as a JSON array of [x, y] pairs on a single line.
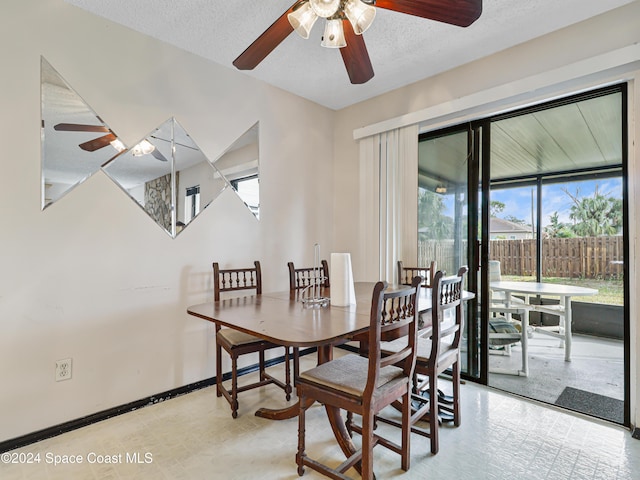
[[388, 202]]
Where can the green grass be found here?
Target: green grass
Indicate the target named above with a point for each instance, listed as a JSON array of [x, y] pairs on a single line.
[[610, 292]]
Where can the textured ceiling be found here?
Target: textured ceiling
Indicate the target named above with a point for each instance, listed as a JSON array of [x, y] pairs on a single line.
[[403, 49]]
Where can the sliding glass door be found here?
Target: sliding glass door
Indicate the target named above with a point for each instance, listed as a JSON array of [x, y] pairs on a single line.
[[537, 196], [444, 171], [556, 177]]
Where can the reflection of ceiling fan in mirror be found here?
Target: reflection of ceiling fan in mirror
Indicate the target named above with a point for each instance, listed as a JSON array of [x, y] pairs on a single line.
[[142, 148], [91, 145], [346, 21]]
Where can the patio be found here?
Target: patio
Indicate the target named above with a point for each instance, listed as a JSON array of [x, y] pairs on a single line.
[[597, 367]]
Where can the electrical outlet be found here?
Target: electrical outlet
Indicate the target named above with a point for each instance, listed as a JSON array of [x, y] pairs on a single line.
[[63, 370]]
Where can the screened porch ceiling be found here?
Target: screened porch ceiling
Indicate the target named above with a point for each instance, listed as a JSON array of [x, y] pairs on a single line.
[[581, 135]]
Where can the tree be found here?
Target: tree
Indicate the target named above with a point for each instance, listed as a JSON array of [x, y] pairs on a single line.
[[616, 213], [496, 207], [432, 223], [596, 215], [558, 229]]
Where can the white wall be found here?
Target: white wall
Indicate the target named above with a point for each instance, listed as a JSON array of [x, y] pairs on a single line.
[[563, 62], [92, 277]]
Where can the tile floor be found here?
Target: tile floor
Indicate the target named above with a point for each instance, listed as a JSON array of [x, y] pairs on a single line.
[[194, 437]]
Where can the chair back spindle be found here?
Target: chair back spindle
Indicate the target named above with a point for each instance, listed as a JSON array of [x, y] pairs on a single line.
[[406, 274], [391, 313], [446, 297], [234, 279], [300, 278]]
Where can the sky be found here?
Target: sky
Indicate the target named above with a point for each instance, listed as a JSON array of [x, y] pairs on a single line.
[[518, 200]]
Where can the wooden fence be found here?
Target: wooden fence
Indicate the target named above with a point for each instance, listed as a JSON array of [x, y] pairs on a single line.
[[584, 257], [440, 251]]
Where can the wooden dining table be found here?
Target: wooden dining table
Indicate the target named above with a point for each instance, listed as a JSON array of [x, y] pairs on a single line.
[[283, 319]]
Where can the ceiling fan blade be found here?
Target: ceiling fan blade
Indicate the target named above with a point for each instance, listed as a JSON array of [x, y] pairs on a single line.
[[355, 56], [265, 43], [98, 143], [78, 127], [159, 156], [456, 12]]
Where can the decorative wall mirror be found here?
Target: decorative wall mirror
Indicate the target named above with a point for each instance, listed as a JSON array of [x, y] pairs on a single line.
[[75, 140], [240, 165], [166, 173], [168, 176]]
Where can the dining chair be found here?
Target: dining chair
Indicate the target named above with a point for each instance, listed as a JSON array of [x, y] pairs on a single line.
[[502, 332], [499, 298], [237, 343], [299, 279], [365, 385], [505, 332], [406, 274], [438, 350]]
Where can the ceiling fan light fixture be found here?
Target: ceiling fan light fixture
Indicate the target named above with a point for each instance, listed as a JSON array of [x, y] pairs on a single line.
[[118, 145], [143, 148], [333, 34], [325, 8], [302, 19], [360, 15]]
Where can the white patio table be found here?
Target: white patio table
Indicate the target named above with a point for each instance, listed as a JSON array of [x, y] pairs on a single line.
[[563, 310]]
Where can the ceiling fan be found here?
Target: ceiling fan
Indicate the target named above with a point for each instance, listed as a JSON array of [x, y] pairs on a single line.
[[346, 21], [142, 148], [91, 145]]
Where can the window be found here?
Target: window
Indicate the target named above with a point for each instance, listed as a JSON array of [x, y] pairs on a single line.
[[248, 188], [192, 203]]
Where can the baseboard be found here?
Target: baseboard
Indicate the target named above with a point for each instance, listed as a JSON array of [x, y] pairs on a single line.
[[56, 430]]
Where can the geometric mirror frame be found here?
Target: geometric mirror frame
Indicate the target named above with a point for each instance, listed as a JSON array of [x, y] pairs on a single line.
[[240, 165], [168, 176], [75, 142], [165, 173]]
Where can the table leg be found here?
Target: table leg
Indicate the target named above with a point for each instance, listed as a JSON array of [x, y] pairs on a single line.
[[524, 333], [335, 418], [281, 413], [325, 353], [340, 431], [524, 326], [567, 328]]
